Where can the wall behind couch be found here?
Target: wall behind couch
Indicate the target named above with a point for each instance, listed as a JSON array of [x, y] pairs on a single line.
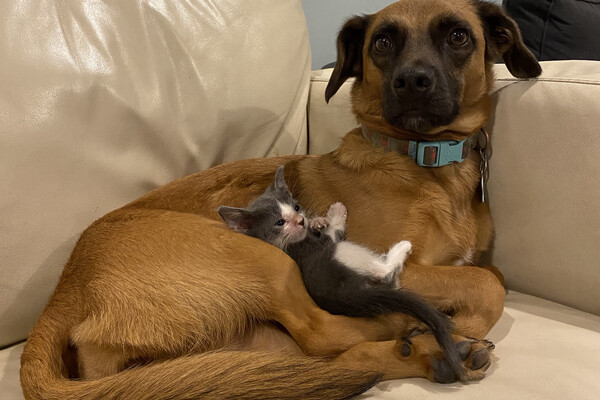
[[325, 17]]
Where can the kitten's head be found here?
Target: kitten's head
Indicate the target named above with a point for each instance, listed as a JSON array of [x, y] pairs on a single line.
[[274, 216]]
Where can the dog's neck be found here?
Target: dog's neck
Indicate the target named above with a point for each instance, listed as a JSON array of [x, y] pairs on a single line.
[[425, 153]]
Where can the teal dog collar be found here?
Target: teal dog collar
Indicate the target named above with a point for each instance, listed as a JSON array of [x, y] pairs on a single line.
[[425, 154]]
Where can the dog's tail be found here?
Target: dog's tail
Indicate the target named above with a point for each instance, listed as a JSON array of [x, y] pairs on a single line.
[[213, 375], [370, 302]]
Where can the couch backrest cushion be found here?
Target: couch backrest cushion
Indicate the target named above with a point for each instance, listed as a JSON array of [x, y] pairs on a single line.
[[544, 183], [101, 102]]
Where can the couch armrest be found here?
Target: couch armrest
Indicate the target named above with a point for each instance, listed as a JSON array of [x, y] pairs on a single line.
[[544, 187]]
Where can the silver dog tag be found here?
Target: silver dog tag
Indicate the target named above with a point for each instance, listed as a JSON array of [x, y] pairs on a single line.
[[484, 173]]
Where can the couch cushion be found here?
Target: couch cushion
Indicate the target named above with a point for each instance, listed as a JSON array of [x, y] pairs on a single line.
[[544, 185], [103, 101], [543, 351], [328, 122]]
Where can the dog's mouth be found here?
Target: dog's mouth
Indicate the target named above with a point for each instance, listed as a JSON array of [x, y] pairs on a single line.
[[420, 120], [422, 117]]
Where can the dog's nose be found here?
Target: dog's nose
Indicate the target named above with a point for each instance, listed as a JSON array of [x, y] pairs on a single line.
[[416, 81]]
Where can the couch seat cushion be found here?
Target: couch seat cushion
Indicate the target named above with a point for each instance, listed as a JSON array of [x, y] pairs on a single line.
[[543, 351]]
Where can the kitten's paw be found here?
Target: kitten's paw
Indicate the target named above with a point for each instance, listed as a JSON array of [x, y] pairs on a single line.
[[398, 254], [337, 211], [337, 222], [318, 223]]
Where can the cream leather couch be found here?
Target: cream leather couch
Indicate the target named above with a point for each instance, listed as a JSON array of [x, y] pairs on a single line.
[[102, 101]]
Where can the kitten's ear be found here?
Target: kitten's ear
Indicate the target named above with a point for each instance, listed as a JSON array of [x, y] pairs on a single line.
[[279, 181], [238, 219]]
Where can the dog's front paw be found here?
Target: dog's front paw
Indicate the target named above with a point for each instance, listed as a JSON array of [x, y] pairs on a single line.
[[476, 357]]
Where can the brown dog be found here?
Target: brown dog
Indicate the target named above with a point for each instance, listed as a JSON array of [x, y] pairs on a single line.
[[161, 300]]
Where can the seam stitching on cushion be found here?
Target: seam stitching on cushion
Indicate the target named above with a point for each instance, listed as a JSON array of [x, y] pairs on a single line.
[[562, 80]]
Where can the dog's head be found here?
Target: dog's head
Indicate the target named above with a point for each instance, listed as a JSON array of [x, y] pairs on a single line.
[[424, 66]]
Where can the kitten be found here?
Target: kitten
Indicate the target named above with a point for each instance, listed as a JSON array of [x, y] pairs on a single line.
[[342, 277]]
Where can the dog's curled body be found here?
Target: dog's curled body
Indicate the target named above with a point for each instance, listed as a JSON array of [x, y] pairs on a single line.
[[160, 299]]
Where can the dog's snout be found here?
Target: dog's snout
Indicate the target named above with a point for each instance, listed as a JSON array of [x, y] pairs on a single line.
[[415, 81]]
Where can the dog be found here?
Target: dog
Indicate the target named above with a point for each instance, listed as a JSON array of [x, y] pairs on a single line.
[[159, 299]]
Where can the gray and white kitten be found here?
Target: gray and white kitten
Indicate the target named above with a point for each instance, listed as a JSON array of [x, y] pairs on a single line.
[[342, 277]]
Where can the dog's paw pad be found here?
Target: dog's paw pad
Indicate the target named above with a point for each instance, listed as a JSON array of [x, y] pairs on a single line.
[[480, 359], [463, 348]]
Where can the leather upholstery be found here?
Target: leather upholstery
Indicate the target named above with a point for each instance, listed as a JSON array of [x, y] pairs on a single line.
[[102, 101]]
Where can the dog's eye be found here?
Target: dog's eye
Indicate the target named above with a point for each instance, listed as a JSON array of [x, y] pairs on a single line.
[[458, 37], [280, 222], [297, 207], [383, 43]]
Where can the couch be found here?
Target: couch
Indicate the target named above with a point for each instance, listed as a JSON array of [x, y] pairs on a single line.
[[102, 101]]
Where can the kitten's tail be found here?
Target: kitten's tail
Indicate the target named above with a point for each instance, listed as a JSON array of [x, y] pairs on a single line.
[[371, 302]]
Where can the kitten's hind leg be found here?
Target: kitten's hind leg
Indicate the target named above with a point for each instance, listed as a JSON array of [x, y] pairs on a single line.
[[395, 258], [336, 216]]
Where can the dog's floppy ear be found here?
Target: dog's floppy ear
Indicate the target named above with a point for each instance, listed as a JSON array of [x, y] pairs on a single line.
[[503, 38], [238, 219], [350, 43]]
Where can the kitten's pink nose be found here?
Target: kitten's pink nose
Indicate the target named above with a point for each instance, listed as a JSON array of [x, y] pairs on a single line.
[[300, 220]]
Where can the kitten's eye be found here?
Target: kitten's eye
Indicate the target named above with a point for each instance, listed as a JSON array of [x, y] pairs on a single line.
[[280, 222], [297, 207]]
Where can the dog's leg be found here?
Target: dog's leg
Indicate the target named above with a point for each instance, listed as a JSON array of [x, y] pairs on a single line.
[[418, 357], [316, 331], [474, 308], [205, 304], [202, 291], [361, 343]]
